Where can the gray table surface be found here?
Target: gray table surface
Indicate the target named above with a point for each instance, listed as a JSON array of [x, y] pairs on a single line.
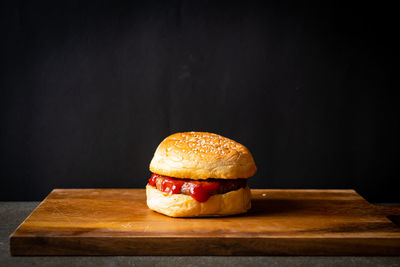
[[13, 213]]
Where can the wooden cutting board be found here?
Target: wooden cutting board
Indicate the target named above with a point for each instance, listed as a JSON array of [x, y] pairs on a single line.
[[281, 222]]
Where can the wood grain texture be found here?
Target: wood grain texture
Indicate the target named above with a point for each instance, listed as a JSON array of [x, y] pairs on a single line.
[[281, 222]]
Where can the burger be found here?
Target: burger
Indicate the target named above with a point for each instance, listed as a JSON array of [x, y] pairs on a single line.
[[199, 174]]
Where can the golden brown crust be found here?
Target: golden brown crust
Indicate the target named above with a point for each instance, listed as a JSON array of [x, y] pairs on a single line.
[[179, 205], [201, 155]]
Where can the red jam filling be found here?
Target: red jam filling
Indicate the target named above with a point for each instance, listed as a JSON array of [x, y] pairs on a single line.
[[199, 190]]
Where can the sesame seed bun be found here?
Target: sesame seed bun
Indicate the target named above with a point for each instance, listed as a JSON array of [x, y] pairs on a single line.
[[201, 155]]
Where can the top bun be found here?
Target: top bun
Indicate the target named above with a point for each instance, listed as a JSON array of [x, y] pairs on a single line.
[[200, 155]]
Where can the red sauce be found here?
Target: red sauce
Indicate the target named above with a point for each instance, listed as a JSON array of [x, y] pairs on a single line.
[[199, 190], [153, 179]]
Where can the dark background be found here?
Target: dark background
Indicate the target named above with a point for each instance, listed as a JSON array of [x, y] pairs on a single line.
[[89, 89]]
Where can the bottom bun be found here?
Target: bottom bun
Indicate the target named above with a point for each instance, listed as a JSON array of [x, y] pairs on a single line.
[[180, 205]]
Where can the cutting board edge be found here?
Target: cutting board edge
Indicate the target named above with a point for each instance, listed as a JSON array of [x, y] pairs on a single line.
[[29, 246]]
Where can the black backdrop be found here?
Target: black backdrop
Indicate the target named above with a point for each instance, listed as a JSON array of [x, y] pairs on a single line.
[[88, 90]]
